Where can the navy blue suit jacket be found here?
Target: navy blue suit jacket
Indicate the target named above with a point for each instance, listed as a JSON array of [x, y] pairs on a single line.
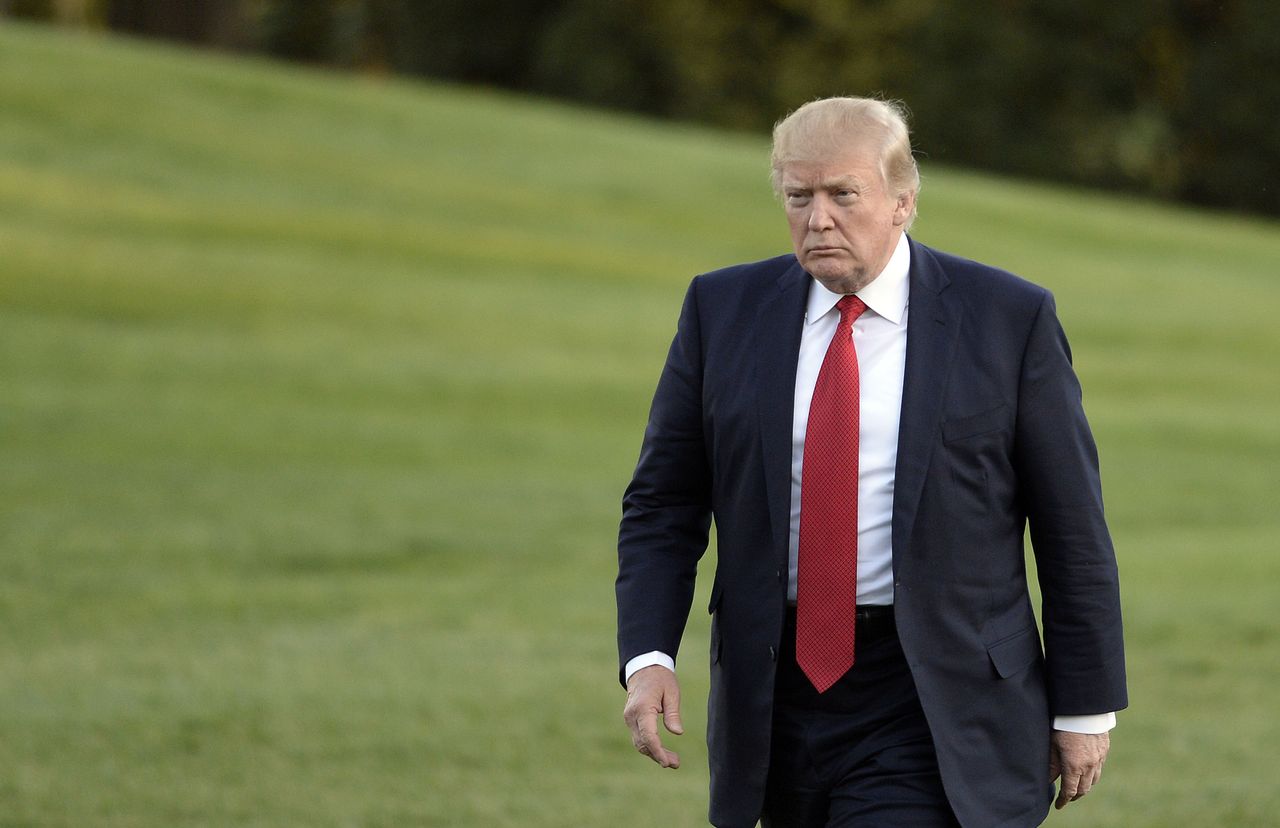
[[992, 438]]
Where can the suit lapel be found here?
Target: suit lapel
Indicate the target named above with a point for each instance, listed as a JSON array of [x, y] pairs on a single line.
[[777, 344], [932, 332]]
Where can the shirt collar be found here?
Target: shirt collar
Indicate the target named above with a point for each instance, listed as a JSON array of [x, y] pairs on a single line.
[[886, 294]]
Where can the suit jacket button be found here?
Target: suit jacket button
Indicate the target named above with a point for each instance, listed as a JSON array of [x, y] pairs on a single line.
[[779, 576], [773, 654]]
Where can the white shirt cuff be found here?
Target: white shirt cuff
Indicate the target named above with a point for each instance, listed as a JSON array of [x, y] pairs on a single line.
[[1096, 723], [648, 660]]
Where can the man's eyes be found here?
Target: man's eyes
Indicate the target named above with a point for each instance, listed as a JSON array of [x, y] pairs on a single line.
[[800, 197], [835, 193]]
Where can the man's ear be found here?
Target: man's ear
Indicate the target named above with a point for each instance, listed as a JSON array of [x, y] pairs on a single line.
[[902, 210]]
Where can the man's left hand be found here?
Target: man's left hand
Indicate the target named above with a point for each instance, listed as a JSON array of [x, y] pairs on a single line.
[[1077, 758]]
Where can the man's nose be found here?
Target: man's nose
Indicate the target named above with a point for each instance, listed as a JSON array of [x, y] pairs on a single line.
[[820, 216]]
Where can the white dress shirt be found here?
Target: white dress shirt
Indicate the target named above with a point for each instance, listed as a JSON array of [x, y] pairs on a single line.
[[880, 340]]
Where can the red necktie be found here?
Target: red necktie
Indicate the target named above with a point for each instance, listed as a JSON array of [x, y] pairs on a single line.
[[827, 580]]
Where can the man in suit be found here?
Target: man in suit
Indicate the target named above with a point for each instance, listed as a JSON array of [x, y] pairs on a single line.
[[872, 423]]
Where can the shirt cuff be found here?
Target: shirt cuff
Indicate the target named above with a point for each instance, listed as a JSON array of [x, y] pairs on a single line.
[[648, 660], [1097, 723]]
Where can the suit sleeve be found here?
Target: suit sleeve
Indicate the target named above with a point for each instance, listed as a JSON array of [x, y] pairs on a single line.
[[1057, 464], [666, 511]]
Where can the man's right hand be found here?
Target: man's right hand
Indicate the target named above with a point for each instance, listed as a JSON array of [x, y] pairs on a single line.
[[652, 692]]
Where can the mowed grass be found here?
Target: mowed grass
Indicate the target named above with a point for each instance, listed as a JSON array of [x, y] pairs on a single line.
[[318, 395]]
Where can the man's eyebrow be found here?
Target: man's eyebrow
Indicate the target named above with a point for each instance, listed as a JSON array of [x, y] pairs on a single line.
[[838, 182], [841, 181]]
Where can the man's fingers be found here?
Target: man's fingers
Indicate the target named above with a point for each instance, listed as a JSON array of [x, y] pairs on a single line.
[[650, 744], [1067, 791], [647, 740], [669, 759], [644, 733], [1077, 783], [671, 712], [1078, 759], [653, 692]]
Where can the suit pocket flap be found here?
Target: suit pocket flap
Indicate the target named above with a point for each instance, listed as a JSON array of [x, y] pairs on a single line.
[[972, 425], [716, 592], [1016, 653]]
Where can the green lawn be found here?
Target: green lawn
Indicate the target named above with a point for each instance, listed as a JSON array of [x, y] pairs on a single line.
[[318, 395]]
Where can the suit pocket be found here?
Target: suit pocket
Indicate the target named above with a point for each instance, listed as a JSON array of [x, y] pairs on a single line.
[[975, 425], [1015, 653], [717, 592]]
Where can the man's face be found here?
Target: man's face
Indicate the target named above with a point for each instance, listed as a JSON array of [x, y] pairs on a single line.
[[844, 220]]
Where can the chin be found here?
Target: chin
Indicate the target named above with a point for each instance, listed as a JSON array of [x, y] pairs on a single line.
[[838, 280], [825, 270]]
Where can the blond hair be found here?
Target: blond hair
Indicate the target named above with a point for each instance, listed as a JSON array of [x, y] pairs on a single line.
[[828, 126]]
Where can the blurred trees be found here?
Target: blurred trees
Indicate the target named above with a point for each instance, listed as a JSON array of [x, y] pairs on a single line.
[[1167, 97]]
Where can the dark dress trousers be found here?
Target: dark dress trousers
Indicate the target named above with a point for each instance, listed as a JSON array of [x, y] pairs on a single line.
[[992, 438]]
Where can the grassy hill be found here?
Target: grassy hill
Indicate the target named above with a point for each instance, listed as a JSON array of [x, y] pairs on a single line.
[[318, 394]]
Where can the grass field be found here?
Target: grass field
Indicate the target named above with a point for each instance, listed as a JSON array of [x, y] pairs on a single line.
[[318, 395]]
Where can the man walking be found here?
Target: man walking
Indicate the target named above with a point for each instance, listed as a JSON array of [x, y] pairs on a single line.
[[872, 424]]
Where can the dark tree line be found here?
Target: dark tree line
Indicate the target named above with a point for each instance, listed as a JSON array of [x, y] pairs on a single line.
[[1175, 98]]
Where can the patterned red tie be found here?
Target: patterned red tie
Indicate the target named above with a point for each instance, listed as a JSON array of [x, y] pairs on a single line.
[[827, 580]]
